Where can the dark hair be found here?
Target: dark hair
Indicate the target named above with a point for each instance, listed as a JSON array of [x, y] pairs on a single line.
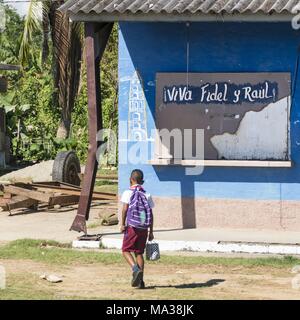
[[137, 175]]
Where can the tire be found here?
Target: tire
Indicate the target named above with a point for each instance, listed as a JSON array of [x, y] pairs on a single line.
[[66, 168]]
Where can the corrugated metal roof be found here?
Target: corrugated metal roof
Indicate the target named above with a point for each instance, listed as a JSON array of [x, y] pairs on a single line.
[[190, 7]]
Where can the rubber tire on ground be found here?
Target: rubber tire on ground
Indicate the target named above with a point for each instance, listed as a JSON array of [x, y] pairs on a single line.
[[66, 168]]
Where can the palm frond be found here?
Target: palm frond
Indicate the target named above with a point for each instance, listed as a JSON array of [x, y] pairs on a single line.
[[67, 45], [33, 22], [66, 40], [46, 30]]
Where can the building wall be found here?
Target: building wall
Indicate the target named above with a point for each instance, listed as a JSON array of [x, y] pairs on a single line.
[[264, 198]]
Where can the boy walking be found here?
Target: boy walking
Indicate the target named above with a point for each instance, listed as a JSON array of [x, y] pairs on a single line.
[[137, 218]]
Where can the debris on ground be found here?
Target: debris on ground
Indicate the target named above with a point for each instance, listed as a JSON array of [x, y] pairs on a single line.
[[90, 237], [296, 269], [108, 218], [50, 194], [53, 278]]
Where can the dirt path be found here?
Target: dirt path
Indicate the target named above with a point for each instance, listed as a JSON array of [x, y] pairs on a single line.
[[164, 282]]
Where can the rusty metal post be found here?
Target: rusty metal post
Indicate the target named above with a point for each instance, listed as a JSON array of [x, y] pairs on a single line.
[[96, 37]]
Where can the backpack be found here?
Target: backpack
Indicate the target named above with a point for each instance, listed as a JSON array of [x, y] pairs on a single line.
[[139, 213]]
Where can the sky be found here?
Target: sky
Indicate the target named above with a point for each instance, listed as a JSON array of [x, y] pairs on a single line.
[[19, 5]]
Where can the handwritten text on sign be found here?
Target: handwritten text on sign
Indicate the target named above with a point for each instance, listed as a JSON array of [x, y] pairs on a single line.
[[221, 92]]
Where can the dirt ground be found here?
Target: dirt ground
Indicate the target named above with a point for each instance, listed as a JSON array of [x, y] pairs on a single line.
[[38, 172], [53, 224], [98, 281], [104, 281]]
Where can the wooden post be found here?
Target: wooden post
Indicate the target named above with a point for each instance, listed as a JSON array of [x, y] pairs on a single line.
[[96, 37]]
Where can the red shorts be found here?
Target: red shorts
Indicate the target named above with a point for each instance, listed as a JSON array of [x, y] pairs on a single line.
[[134, 240]]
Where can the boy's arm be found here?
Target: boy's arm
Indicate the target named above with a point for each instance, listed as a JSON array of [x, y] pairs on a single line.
[[151, 236], [124, 215]]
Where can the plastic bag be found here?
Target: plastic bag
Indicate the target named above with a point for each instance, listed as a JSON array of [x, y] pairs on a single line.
[[152, 251]]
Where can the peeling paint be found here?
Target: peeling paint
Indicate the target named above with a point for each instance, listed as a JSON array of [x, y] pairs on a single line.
[[261, 135]]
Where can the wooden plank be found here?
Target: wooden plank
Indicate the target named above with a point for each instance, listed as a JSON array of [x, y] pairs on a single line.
[[222, 163], [7, 195], [32, 194], [9, 67], [64, 200], [65, 188], [66, 191], [21, 202], [58, 185], [18, 202], [3, 202], [55, 186], [52, 183]]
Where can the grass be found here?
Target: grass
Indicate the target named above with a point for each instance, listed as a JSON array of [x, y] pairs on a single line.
[[94, 225], [107, 171], [53, 253], [100, 183], [26, 286], [62, 254], [106, 186]]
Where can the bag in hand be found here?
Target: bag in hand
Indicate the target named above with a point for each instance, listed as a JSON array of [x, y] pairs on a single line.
[[152, 251]]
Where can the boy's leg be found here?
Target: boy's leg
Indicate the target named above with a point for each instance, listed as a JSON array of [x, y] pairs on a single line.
[[128, 241], [140, 260], [129, 258], [137, 273], [140, 245], [140, 263]]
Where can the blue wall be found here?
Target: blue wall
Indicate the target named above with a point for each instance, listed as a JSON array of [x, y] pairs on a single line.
[[213, 47]]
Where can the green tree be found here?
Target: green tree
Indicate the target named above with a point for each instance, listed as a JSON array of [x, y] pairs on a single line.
[[28, 102], [33, 110], [10, 43]]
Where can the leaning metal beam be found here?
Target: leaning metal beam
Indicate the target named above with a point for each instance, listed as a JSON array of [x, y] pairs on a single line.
[[96, 37]]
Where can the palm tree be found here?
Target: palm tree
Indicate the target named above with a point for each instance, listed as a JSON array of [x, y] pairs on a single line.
[[66, 47]]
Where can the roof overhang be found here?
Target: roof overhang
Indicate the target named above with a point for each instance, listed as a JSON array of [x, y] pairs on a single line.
[[151, 17]]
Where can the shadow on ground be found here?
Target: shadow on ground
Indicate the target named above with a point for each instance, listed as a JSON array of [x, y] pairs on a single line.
[[207, 284]]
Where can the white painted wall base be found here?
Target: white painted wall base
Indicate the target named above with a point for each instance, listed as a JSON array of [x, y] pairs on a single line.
[[81, 244], [207, 246], [198, 246]]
